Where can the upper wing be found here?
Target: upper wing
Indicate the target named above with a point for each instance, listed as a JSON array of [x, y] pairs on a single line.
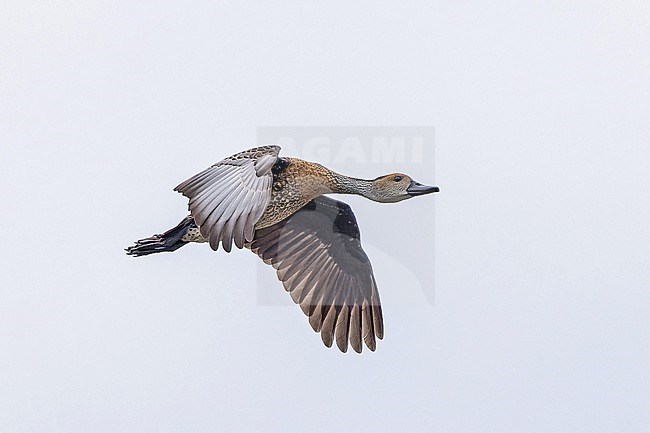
[[227, 199], [318, 256]]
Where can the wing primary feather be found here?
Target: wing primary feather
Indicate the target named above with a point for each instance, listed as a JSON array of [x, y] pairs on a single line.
[[377, 315], [329, 308], [343, 328], [367, 326], [355, 329], [239, 231], [327, 332]]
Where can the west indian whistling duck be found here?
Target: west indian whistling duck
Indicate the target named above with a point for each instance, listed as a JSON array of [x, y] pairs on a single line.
[[275, 206]]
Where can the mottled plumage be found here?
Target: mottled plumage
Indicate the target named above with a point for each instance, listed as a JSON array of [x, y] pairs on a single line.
[[276, 208]]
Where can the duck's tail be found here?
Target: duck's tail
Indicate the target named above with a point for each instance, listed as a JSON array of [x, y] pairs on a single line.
[[171, 240]]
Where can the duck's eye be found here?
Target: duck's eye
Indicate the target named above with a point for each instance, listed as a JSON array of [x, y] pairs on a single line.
[[397, 178]]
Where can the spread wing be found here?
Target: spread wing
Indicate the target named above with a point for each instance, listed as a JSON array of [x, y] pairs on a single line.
[[318, 257], [227, 199]]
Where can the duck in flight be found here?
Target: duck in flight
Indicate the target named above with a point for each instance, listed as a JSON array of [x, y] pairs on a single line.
[[276, 207]]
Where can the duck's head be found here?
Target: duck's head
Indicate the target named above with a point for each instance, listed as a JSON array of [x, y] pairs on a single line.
[[395, 187]]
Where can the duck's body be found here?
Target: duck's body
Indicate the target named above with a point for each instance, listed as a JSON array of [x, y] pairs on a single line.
[[276, 207]]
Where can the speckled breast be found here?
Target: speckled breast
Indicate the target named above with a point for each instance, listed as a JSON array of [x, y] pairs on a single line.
[[295, 183]]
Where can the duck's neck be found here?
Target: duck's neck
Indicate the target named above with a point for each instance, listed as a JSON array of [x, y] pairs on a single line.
[[342, 184]]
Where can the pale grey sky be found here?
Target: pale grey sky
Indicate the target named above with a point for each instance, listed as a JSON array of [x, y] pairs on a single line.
[[542, 243]]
